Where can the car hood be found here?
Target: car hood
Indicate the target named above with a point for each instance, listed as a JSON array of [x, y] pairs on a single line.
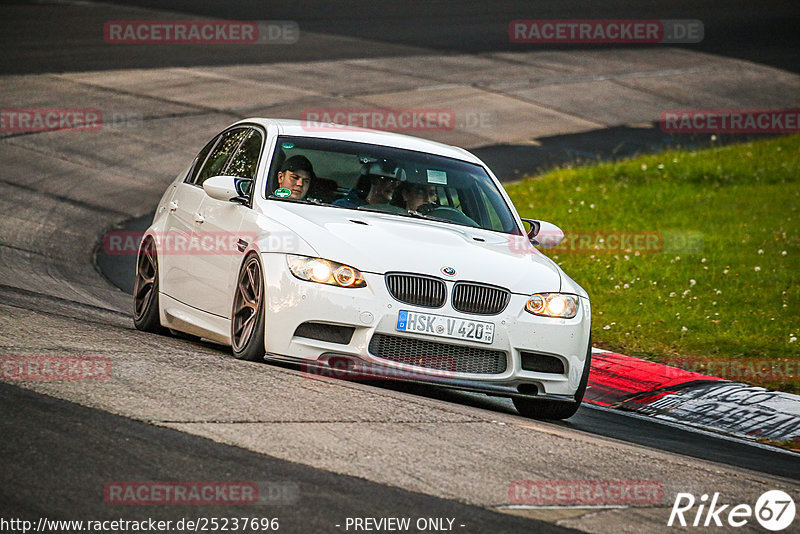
[[380, 243]]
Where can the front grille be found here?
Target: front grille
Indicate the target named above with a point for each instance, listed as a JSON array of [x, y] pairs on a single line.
[[441, 356], [416, 289], [469, 297]]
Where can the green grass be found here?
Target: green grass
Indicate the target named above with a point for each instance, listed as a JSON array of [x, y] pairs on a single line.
[[723, 301]]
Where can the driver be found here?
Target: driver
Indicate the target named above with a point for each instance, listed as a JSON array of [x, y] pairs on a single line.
[[295, 175]]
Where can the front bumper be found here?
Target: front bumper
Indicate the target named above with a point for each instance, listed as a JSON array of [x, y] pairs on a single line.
[[372, 310]]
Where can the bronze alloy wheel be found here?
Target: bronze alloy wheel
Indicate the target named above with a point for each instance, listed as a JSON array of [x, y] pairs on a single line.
[[146, 273], [247, 321], [145, 289]]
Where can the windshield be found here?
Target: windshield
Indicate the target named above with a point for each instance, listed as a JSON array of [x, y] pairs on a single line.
[[361, 176]]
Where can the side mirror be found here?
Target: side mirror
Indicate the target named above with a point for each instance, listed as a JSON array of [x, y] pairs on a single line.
[[223, 188], [544, 234]]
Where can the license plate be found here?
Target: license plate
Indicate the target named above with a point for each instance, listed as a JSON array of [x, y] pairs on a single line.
[[442, 326]]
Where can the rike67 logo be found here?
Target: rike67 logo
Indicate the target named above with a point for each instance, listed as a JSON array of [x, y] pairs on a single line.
[[774, 510]]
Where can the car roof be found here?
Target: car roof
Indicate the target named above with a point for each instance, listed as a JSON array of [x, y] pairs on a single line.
[[363, 135]]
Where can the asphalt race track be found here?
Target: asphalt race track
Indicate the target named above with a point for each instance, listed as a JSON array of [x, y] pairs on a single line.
[[90, 442], [59, 40], [592, 419], [176, 410]]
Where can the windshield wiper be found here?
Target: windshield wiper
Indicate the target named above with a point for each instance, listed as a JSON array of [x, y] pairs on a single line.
[[420, 215], [366, 207], [413, 214], [409, 213]]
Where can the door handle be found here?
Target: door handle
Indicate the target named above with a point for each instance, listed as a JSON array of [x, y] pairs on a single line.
[[173, 205], [199, 218]]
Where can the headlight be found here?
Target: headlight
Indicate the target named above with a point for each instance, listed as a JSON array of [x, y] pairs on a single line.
[[325, 271], [553, 305]]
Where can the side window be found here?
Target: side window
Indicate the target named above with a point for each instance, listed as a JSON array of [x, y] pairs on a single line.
[[219, 156], [449, 197], [244, 162], [198, 161]]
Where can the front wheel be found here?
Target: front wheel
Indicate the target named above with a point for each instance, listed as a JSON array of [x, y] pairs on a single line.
[[548, 409], [247, 318]]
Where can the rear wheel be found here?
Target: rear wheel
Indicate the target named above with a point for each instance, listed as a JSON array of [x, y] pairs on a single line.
[[247, 318], [145, 290], [548, 409]]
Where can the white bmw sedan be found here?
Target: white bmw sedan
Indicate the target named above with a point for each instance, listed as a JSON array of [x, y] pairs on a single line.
[[372, 253]]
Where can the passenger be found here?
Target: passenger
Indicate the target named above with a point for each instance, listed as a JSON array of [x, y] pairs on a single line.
[[383, 182], [295, 175]]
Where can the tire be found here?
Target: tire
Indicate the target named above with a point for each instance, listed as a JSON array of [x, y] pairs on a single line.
[[247, 316], [145, 290], [548, 409]]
